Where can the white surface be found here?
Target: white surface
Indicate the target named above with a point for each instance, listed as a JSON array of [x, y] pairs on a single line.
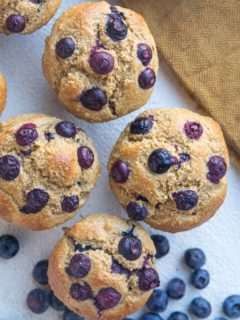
[[29, 92]]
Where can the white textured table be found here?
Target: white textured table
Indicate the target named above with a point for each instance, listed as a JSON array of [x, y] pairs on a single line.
[[29, 92]]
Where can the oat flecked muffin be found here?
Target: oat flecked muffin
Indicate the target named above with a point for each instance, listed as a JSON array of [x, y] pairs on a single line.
[[25, 16], [47, 169], [101, 61], [3, 93], [103, 267], [168, 168]]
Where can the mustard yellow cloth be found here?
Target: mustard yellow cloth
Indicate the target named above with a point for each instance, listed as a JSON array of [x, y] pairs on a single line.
[[200, 40]]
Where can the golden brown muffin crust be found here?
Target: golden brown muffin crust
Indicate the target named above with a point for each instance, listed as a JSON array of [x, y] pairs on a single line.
[[3, 93]]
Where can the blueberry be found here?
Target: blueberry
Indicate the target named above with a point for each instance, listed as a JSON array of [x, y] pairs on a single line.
[[38, 301], [148, 279], [9, 246], [26, 134], [151, 316], [136, 212], [200, 278], [193, 130], [9, 167], [161, 244], [65, 47], [79, 266], [185, 200], [48, 136], [141, 125], [37, 199], [117, 268], [70, 315], [70, 203], [55, 303], [220, 318], [120, 171], [159, 161], [176, 288], [107, 298], [178, 316], [40, 272], [158, 301], [85, 157], [144, 53], [184, 157], [66, 129], [231, 306], [147, 78], [94, 99], [130, 247], [101, 62], [195, 258], [217, 169], [15, 23], [127, 319], [81, 292], [36, 1], [116, 29], [200, 307]]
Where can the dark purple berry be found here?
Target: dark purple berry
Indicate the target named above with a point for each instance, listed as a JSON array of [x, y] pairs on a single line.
[[85, 157], [116, 29], [195, 258], [176, 288], [158, 301], [26, 134], [200, 278], [66, 129], [231, 306], [26, 153], [193, 130], [40, 272], [147, 78], [9, 246], [130, 247], [65, 47], [144, 53], [48, 136], [9, 167], [136, 212], [101, 62], [70, 315], [37, 301], [81, 292], [107, 298], [120, 171], [94, 99], [200, 307], [15, 23], [55, 303], [148, 279], [141, 125], [117, 268], [178, 316], [70, 203], [217, 169], [185, 200], [159, 161], [150, 316], [37, 199], [79, 266], [184, 157], [161, 244]]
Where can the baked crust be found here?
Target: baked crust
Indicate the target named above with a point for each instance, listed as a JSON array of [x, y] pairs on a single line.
[[3, 93]]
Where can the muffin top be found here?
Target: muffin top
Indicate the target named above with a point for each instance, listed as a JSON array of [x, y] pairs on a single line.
[[25, 16], [101, 60], [3, 93], [47, 169], [168, 167], [103, 267]]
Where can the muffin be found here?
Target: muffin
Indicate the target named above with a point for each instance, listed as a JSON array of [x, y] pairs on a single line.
[[103, 267], [47, 169], [26, 16], [168, 168], [3, 93], [101, 61]]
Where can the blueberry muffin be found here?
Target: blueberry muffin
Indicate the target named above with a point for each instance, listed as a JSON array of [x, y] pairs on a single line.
[[168, 168], [25, 16], [101, 61], [103, 267], [3, 93], [47, 169]]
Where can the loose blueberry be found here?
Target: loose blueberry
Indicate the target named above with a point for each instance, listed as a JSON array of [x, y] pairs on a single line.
[[81, 292], [15, 23], [66, 129], [136, 212], [217, 169], [107, 298], [231, 306], [158, 301], [144, 53], [37, 301], [161, 244], [120, 171], [185, 200], [26, 134], [70, 315], [178, 316], [159, 161], [9, 246], [79, 266], [94, 99], [130, 247], [101, 62], [40, 272], [65, 47], [37, 199], [195, 258], [176, 288], [193, 130], [148, 279], [116, 29], [151, 316], [220, 318], [9, 167], [200, 307], [85, 157], [70, 203], [200, 278], [147, 78], [55, 303], [141, 125]]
